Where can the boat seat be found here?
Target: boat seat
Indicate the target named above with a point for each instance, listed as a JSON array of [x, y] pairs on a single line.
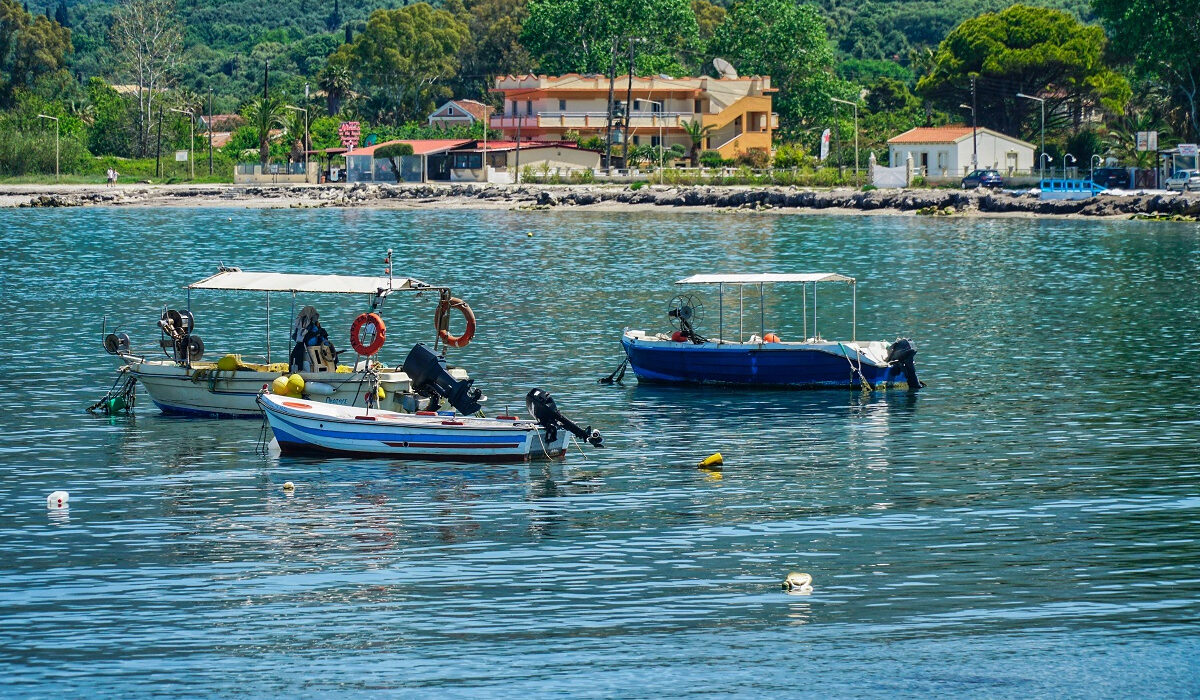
[[322, 358]]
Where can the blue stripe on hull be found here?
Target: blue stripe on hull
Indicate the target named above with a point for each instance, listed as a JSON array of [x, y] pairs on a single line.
[[200, 413], [739, 365]]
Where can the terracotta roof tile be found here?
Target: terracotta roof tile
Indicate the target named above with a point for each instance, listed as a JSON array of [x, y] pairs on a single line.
[[933, 134]]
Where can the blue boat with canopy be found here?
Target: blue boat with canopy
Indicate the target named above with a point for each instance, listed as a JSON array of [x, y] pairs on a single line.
[[763, 359]]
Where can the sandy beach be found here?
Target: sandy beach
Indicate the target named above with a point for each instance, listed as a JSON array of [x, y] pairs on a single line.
[[939, 202]]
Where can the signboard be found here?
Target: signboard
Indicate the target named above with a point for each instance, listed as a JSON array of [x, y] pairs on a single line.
[[1188, 150], [1147, 140], [181, 156], [348, 133], [824, 145]]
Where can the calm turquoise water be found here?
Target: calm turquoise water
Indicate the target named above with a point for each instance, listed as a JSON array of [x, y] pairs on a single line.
[[1025, 526]]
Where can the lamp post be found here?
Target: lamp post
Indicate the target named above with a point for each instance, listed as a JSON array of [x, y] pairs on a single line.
[[1042, 101], [855, 106], [301, 109], [1042, 160], [192, 133], [974, 138], [1092, 166], [47, 116], [1067, 157]]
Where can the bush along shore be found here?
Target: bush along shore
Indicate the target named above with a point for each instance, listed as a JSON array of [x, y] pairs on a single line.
[[918, 201]]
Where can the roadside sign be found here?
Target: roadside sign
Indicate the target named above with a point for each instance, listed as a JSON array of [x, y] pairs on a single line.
[[1147, 140], [824, 145], [1189, 150], [348, 133], [181, 155]]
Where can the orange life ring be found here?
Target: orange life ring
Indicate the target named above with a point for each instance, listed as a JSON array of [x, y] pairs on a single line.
[[441, 321], [378, 329]]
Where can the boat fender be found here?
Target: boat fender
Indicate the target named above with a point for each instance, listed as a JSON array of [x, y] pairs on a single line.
[[367, 334], [441, 321], [295, 384], [679, 337], [319, 388]]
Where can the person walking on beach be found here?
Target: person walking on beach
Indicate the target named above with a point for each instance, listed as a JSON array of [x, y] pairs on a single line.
[[112, 177]]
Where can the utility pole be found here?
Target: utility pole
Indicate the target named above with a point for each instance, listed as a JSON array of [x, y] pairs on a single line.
[[266, 79], [612, 77], [628, 109], [975, 130], [210, 134], [517, 167], [158, 169]]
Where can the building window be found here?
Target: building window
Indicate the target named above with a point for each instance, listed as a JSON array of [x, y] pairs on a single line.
[[637, 140], [514, 107], [637, 105], [529, 108], [656, 106], [562, 105], [468, 161], [696, 106], [654, 141]]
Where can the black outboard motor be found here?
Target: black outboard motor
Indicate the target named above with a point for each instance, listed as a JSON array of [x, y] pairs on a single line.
[[901, 355], [430, 378], [542, 407]]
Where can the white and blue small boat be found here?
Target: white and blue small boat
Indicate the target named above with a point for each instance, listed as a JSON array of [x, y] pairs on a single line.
[[306, 426], [763, 359]]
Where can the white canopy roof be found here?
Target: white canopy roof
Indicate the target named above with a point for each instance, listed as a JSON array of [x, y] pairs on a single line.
[[767, 278], [319, 284]]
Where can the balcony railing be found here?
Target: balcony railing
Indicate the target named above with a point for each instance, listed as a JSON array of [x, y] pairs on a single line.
[[591, 120]]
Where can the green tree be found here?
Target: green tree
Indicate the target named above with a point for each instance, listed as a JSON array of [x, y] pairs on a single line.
[[708, 18], [696, 133], [584, 36], [263, 115], [336, 81], [112, 120], [31, 46], [404, 57], [786, 41], [1036, 51], [1163, 39], [393, 152], [495, 47]]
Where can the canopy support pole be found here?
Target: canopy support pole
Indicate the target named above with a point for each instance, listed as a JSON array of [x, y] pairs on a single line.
[[741, 313], [268, 328], [804, 308], [720, 312], [816, 333], [854, 312], [762, 329]]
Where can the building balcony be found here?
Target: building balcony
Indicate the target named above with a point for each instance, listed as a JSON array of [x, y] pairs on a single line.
[[591, 120]]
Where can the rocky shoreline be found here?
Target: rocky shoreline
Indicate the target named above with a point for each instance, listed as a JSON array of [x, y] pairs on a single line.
[[945, 202]]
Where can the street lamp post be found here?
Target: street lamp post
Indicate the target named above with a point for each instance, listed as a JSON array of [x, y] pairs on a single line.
[[192, 146], [1042, 160], [301, 109], [1067, 157], [662, 108], [47, 116], [1092, 166], [855, 106], [974, 138], [1042, 101]]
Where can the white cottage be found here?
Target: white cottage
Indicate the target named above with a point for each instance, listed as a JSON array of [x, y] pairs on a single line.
[[946, 151]]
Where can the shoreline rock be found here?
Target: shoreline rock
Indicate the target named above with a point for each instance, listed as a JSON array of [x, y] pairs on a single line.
[[945, 202]]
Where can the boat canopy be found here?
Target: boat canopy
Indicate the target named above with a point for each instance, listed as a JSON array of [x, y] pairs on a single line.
[[319, 284], [767, 278]]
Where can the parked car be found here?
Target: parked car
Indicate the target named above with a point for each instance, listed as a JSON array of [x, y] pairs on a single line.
[[983, 178], [1184, 181], [1112, 178]]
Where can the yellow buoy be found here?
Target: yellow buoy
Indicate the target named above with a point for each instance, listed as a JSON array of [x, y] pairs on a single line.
[[295, 385], [713, 460], [228, 363], [529, 235], [380, 393], [280, 386]]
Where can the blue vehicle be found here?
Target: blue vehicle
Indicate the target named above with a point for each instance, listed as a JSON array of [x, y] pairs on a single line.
[[763, 359], [982, 178]]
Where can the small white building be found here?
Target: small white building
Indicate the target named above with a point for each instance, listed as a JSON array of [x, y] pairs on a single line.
[[946, 151], [460, 113]]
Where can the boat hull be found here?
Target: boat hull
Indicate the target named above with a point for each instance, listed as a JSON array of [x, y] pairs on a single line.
[[206, 392], [823, 365], [306, 427]]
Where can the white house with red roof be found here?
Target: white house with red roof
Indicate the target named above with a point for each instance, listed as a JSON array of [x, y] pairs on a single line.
[[460, 113], [956, 149]]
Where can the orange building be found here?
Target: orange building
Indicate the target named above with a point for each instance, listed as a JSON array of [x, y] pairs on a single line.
[[548, 107]]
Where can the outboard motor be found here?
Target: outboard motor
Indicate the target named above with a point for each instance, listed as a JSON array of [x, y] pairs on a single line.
[[901, 355], [543, 409], [430, 378]]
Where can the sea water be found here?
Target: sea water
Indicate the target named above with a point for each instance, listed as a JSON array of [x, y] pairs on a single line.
[[1026, 525]]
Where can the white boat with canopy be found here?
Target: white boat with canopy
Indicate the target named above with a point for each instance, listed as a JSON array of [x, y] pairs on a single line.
[[184, 382]]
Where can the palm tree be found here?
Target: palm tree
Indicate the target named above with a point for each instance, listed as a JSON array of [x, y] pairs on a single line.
[[697, 133], [335, 80], [265, 114]]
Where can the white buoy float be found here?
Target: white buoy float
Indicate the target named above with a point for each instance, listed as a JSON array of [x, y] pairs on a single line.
[[57, 500], [798, 582], [289, 486]]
